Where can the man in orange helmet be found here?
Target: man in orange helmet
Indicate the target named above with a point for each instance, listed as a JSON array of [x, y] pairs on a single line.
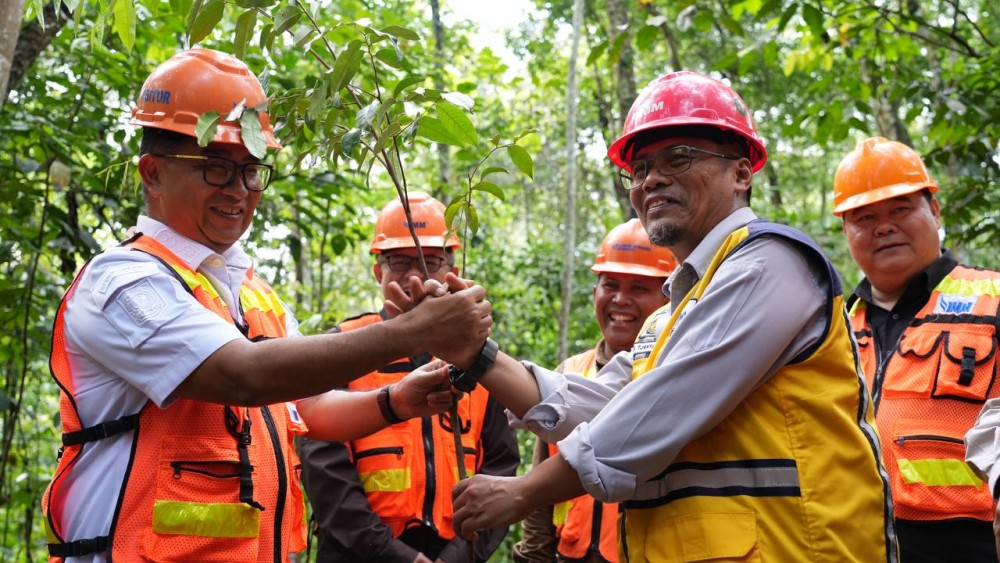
[[630, 277], [738, 427], [176, 385], [926, 328], [387, 497]]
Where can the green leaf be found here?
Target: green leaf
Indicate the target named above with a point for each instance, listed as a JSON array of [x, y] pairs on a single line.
[[346, 66], [400, 32], [387, 134], [451, 212], [491, 188], [473, 216], [244, 31], [616, 48], [255, 3], [434, 129], [460, 100], [455, 120], [205, 129], [350, 141], [205, 21], [391, 57], [522, 160], [253, 136], [302, 36], [493, 170], [286, 18], [124, 24], [406, 82], [363, 119], [646, 36], [814, 18], [596, 52]]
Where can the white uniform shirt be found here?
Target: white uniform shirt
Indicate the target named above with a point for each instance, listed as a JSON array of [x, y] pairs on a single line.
[[982, 443], [133, 334], [764, 306]]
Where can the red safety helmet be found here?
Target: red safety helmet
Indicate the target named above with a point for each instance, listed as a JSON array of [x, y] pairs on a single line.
[[392, 230], [876, 170], [197, 81], [626, 250], [685, 99]]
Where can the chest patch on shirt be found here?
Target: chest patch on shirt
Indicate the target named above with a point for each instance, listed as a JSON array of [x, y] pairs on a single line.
[[955, 304], [141, 301], [646, 340]]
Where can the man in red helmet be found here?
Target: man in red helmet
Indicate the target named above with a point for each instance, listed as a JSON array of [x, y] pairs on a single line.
[[738, 427], [176, 385], [386, 497], [926, 328], [630, 277]]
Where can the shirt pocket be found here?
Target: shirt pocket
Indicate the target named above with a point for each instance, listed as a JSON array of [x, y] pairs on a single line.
[[384, 462], [931, 473], [197, 514]]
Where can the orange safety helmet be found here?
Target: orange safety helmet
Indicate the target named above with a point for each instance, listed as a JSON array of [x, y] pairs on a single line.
[[626, 250], [197, 81], [392, 231], [876, 170], [685, 99]]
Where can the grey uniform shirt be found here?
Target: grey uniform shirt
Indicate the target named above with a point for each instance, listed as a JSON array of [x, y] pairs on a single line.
[[765, 304]]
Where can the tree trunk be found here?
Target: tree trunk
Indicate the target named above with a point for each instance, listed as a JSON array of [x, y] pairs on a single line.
[[625, 78], [568, 267], [10, 26], [31, 41]]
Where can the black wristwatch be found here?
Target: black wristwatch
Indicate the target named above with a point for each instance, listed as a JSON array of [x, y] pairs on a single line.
[[467, 380]]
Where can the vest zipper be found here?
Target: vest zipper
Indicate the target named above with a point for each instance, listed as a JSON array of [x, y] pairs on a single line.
[[430, 477], [926, 438], [203, 468], [398, 450], [279, 460], [880, 367]]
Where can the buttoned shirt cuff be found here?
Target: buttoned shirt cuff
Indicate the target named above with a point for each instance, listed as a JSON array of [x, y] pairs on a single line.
[[601, 481]]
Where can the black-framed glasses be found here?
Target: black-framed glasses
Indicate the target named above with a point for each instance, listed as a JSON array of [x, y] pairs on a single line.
[[220, 171], [670, 161], [400, 263]]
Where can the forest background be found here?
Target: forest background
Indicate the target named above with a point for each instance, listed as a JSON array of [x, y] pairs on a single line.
[[371, 94]]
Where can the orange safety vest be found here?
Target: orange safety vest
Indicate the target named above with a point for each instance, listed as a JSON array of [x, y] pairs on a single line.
[[409, 469], [575, 519], [929, 392], [205, 482]]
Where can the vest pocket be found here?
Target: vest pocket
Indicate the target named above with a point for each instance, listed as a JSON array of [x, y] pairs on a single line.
[[931, 474], [197, 515], [384, 461], [720, 538], [957, 363]]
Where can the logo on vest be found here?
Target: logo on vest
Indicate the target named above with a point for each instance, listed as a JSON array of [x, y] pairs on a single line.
[[646, 341], [142, 302], [955, 304]]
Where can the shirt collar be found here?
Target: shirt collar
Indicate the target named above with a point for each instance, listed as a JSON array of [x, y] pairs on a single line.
[[695, 266], [192, 253]]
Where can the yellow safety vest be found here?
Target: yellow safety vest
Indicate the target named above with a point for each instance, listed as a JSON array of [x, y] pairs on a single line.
[[792, 474]]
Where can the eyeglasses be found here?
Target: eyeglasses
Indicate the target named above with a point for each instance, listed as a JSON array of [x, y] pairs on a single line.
[[220, 172], [670, 161], [400, 263]]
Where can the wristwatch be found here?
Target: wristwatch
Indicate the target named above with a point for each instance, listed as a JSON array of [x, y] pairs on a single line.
[[467, 380]]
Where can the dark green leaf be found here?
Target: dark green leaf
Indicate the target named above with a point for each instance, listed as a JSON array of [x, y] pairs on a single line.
[[363, 120], [406, 82], [350, 141], [490, 188], [205, 129], [522, 160], [596, 52], [286, 18], [451, 212], [401, 32], [346, 66], [646, 37], [814, 18], [493, 170], [433, 129], [206, 20], [473, 216], [244, 31]]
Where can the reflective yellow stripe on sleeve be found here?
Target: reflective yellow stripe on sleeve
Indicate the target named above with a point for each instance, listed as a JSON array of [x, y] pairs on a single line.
[[209, 520], [933, 472]]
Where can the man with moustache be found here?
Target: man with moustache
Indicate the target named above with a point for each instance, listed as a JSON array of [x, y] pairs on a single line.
[[738, 427]]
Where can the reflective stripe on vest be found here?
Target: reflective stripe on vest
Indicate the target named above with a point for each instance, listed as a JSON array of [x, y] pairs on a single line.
[[797, 455], [929, 392], [161, 494], [409, 469]]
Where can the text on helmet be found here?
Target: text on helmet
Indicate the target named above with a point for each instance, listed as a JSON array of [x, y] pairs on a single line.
[[155, 96], [629, 246], [416, 224], [647, 109]]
